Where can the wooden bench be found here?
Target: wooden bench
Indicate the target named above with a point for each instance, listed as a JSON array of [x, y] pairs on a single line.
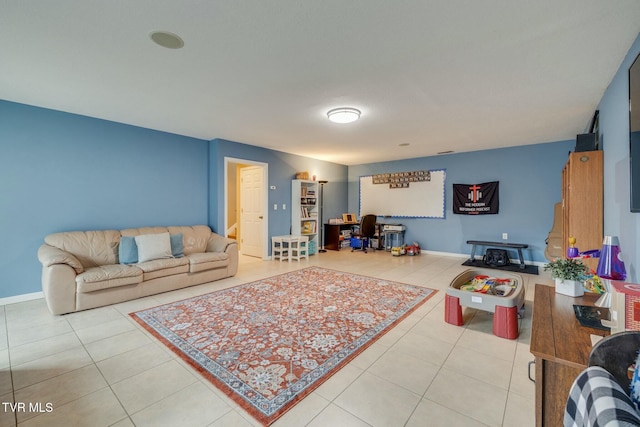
[[518, 246]]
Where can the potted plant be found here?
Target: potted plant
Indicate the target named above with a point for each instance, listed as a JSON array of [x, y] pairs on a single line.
[[568, 274]]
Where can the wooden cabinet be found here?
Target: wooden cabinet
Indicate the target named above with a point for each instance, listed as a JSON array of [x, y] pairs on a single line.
[[304, 211], [332, 233], [582, 202], [561, 347]]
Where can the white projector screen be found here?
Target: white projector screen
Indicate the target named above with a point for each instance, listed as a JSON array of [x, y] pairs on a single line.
[[423, 199]]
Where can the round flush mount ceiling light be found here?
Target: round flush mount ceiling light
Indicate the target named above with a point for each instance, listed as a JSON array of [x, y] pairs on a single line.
[[167, 39], [343, 115]]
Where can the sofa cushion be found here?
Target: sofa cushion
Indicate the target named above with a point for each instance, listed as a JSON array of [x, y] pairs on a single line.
[[108, 276], [128, 250], [153, 246], [91, 248], [177, 248], [207, 261], [194, 238], [163, 267]]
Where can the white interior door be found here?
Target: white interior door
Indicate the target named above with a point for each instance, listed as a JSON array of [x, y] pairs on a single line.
[[251, 215]]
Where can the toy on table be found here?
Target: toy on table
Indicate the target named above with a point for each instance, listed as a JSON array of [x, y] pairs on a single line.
[[489, 285], [592, 283], [573, 252]]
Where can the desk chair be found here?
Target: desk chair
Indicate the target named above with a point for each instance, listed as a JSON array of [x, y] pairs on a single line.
[[365, 231]]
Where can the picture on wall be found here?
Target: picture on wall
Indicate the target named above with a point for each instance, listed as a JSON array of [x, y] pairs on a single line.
[[420, 198], [401, 179], [476, 199]]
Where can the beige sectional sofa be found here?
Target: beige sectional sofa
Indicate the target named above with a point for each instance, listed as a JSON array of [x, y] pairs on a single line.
[[87, 269]]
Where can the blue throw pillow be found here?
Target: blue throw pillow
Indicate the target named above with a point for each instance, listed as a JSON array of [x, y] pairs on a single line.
[[177, 248], [128, 251]]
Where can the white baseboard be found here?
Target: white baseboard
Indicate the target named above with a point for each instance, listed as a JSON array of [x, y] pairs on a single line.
[[451, 254], [21, 298]]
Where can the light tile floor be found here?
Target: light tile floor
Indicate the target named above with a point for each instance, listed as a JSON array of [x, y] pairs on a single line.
[[99, 368]]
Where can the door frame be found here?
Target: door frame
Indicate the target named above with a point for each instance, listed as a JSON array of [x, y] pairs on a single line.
[[265, 198]]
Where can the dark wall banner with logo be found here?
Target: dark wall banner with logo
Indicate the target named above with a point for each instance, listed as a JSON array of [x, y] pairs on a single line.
[[476, 199]]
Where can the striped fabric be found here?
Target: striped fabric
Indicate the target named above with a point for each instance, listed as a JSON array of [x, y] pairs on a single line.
[[596, 399]]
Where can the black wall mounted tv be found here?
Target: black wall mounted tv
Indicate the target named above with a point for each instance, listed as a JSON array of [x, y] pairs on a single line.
[[634, 133]]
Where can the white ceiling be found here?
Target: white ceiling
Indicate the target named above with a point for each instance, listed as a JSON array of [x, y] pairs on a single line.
[[440, 75]]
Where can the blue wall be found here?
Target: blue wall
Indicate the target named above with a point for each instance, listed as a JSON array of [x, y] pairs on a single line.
[[282, 169], [530, 184], [614, 130], [61, 171]]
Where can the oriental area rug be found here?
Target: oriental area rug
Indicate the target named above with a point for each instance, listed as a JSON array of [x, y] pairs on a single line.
[[269, 343]]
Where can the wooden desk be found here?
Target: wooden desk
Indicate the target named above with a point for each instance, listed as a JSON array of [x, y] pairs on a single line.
[[332, 235], [561, 347]]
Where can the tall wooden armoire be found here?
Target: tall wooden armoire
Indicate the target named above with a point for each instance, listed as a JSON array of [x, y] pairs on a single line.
[[583, 202]]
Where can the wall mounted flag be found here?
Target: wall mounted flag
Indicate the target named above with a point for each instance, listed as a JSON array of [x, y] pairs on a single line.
[[476, 199]]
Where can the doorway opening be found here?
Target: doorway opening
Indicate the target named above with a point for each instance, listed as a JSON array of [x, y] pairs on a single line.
[[246, 213]]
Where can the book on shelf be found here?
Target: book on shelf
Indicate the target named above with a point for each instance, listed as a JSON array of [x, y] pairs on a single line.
[[308, 227], [308, 201], [304, 212]]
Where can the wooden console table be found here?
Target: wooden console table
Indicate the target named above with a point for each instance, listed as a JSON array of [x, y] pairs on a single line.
[[561, 347]]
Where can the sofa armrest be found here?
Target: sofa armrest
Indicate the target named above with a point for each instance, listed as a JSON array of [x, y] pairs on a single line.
[[59, 288], [218, 243], [50, 255]]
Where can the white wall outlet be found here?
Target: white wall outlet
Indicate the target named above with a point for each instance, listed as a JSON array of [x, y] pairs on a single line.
[[284, 207], [275, 206], [505, 236]]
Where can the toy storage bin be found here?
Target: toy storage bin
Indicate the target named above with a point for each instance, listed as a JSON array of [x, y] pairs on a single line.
[[505, 320], [487, 302], [299, 249], [359, 243], [313, 248]]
